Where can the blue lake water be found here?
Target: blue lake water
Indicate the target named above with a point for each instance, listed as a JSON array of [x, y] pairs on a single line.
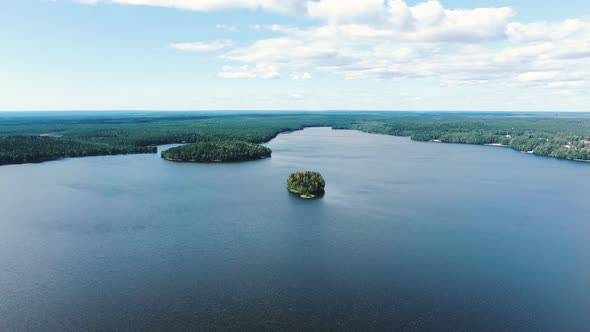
[[409, 236]]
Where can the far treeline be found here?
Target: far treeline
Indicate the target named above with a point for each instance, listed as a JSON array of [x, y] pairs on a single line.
[[36, 138], [563, 137]]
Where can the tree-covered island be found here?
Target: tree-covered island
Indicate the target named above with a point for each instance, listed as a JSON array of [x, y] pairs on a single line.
[[223, 151], [306, 184]]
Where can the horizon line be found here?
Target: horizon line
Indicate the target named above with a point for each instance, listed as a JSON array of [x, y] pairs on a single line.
[[285, 111]]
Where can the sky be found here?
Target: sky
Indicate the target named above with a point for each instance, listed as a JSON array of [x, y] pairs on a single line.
[[457, 55]]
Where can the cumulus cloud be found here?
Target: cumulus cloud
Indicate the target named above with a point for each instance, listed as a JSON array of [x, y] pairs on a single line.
[[424, 21], [542, 31], [347, 11], [211, 46], [394, 40]]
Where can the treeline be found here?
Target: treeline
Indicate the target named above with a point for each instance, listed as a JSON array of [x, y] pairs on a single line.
[[558, 138], [223, 151], [34, 139], [33, 149], [39, 139]]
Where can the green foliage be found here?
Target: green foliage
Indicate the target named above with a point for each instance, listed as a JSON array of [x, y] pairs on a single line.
[[76, 134], [565, 137], [32, 149], [47, 137], [306, 183], [217, 151]]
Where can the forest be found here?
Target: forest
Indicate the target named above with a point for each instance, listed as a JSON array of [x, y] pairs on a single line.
[[561, 136], [28, 138], [30, 149], [223, 151]]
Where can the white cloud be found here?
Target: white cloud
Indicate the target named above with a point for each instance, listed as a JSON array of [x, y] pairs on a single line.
[[429, 13], [347, 11], [393, 40], [427, 42], [543, 31], [282, 6], [427, 21], [300, 76], [537, 76], [215, 45], [566, 84]]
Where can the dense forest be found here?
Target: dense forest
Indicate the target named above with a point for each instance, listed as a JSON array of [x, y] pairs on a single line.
[[306, 184], [28, 149], [41, 137], [25, 139], [564, 137], [217, 152]]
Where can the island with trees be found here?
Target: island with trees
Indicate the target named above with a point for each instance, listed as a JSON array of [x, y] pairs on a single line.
[[306, 184], [223, 151]]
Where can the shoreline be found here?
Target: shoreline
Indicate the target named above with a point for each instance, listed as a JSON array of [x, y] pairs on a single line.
[[212, 161], [304, 196], [273, 137]]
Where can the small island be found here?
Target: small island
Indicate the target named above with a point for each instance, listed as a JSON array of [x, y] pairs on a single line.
[[307, 184], [223, 151]]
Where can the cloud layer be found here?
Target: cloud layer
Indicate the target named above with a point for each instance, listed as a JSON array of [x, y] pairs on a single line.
[[391, 40], [284, 6]]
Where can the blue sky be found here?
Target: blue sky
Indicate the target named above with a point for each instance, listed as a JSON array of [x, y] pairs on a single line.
[[294, 55]]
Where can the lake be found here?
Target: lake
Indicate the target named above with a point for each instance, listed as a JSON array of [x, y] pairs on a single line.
[[409, 236]]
